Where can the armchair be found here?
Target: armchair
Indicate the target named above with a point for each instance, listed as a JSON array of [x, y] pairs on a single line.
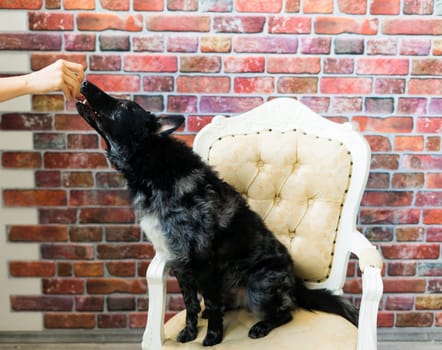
[[305, 176]]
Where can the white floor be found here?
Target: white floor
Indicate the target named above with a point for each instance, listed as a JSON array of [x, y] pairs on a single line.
[[133, 346]]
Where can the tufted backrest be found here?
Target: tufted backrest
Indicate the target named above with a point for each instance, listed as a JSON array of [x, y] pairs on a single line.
[[297, 182]]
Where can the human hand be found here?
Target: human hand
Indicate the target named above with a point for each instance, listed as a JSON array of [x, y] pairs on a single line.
[[61, 75]]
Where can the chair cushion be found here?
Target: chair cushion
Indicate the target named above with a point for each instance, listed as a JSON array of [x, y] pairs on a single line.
[[307, 331], [297, 182]]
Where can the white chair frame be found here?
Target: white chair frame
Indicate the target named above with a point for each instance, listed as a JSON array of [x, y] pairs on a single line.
[[283, 114]]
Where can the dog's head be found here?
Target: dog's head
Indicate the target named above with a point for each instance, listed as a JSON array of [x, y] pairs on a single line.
[[122, 123]]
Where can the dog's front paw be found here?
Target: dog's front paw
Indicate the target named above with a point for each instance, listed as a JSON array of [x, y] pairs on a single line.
[[213, 338], [259, 330], [187, 335]]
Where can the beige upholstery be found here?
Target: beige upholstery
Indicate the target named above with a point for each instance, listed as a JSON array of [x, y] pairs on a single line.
[[305, 176], [297, 182], [307, 331]]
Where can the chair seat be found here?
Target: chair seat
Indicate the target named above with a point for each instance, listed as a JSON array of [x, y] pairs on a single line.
[[307, 331]]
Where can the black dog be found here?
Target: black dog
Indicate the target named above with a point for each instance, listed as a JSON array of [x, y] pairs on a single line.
[[216, 245]]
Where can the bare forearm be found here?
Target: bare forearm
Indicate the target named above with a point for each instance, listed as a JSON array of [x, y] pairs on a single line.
[[14, 86]]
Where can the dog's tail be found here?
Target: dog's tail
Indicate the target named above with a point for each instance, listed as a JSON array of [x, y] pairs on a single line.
[[324, 300]]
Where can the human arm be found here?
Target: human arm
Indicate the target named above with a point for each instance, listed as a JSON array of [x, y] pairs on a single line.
[[61, 75]]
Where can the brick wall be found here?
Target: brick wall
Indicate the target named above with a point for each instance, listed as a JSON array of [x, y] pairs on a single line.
[[373, 62]]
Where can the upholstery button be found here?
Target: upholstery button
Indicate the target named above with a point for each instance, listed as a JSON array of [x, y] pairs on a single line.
[[260, 164]]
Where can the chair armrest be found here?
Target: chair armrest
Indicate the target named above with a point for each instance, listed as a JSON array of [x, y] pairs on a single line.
[[370, 263], [156, 274]]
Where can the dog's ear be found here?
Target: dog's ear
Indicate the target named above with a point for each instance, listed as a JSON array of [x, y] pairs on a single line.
[[169, 124]]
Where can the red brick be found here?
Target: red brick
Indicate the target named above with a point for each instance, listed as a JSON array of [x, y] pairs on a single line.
[[63, 286], [385, 125], [385, 7], [379, 105], [49, 178], [85, 233], [412, 26], [203, 84], [390, 198], [408, 180], [339, 25], [41, 303], [119, 5], [99, 198], [416, 47], [106, 215], [215, 44], [409, 233], [378, 180], [414, 319], [70, 122], [182, 104], [292, 5], [148, 5], [265, 44], [317, 6], [258, 6], [105, 63], [399, 303], [79, 4], [334, 65], [296, 65], [411, 251], [31, 269], [26, 121], [30, 198], [378, 143], [404, 285], [346, 105], [197, 122], [317, 46], [389, 216], [69, 320], [381, 161], [426, 67], [158, 83], [385, 319], [353, 7], [422, 162], [105, 21], [112, 321], [50, 21], [181, 23], [30, 41], [25, 160], [238, 24], [88, 269], [412, 106], [432, 216], [390, 86], [89, 303], [57, 216], [67, 251], [289, 25], [74, 160], [153, 103], [204, 64], [138, 319], [429, 302], [121, 268], [151, 63], [254, 85], [345, 85], [182, 44], [433, 143], [248, 64], [117, 82], [295, 85], [418, 7], [125, 251], [382, 66], [409, 143], [317, 104], [116, 42], [116, 285], [402, 268], [21, 4], [209, 104], [382, 46], [429, 125], [434, 180], [78, 179], [38, 233]]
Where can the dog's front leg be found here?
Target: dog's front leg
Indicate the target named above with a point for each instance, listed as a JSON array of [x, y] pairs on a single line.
[[213, 312], [189, 291]]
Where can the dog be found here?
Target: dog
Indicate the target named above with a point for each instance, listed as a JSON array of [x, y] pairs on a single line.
[[215, 244]]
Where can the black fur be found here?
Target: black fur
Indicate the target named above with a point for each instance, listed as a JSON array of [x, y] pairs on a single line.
[[216, 244]]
